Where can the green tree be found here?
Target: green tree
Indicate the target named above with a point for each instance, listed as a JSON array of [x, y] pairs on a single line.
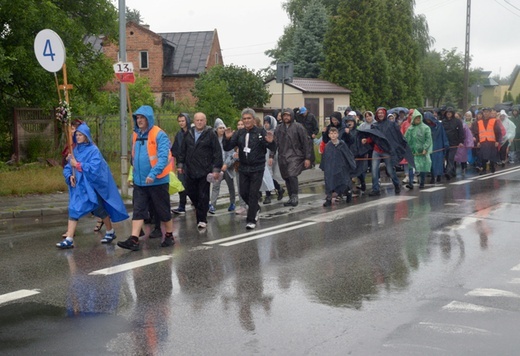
[[214, 100], [306, 51], [133, 15], [23, 82], [245, 87]]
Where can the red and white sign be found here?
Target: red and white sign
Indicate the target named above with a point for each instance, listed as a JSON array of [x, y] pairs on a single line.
[[124, 72]]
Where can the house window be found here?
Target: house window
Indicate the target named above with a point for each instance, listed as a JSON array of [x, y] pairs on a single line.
[[216, 58], [143, 60]]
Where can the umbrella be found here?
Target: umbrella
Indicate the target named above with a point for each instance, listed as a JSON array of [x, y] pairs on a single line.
[[397, 109]]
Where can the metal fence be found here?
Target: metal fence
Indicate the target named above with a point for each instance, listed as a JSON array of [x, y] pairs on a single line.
[[106, 131]]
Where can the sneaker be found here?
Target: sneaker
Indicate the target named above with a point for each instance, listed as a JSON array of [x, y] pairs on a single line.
[[108, 238], [168, 241], [409, 186], [267, 200], [231, 207], [131, 243], [280, 194], [328, 202], [65, 244], [156, 233], [179, 211], [202, 225], [211, 209], [397, 189], [257, 214], [250, 226], [374, 193]]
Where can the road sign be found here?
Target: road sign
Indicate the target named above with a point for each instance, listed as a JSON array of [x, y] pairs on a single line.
[[124, 72], [49, 50], [284, 72]]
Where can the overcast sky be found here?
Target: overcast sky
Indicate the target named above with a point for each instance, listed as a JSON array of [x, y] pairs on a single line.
[[247, 28]]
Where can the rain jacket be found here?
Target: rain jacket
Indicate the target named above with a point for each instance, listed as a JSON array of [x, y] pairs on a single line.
[[179, 137], [200, 158], [294, 147], [337, 162], [419, 137], [440, 143], [93, 179], [140, 156], [462, 152], [227, 156]]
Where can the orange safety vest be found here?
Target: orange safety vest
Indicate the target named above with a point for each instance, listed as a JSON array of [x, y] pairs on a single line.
[[152, 150], [488, 133]]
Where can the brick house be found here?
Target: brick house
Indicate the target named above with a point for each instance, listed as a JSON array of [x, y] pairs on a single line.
[[171, 61]]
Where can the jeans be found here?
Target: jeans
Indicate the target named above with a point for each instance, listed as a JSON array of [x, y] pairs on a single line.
[[376, 160]]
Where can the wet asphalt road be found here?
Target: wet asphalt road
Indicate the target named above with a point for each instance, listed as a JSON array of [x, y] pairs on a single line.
[[431, 272]]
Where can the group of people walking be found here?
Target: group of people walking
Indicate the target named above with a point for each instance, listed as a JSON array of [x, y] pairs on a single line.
[[257, 155]]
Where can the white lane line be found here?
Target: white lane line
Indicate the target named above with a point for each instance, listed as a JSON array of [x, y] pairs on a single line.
[[491, 292], [494, 175], [454, 329], [250, 233], [131, 265], [22, 293], [429, 190], [460, 182], [267, 234], [516, 268], [340, 213], [456, 306]]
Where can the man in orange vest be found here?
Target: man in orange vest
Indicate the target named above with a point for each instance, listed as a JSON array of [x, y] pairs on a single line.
[[151, 159], [487, 135]]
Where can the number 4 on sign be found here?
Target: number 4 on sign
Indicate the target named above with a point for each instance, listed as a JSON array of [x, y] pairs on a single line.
[[47, 51]]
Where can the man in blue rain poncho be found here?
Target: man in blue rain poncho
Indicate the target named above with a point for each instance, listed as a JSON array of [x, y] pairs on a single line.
[[91, 188]]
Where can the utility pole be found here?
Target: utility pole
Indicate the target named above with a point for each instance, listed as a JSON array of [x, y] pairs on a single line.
[[466, 59], [122, 100]]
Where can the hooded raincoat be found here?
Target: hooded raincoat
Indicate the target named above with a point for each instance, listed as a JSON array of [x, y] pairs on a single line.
[[419, 137], [93, 180], [294, 147], [338, 164], [440, 143]]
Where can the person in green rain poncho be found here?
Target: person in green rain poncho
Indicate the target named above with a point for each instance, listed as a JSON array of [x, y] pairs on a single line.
[[419, 137]]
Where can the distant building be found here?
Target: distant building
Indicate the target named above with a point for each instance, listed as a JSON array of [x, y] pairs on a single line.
[[171, 61], [486, 91], [319, 96]]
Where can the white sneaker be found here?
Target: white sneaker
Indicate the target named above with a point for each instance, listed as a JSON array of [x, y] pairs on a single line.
[[257, 214], [250, 226], [201, 225]]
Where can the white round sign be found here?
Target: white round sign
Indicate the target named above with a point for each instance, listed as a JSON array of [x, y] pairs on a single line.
[[49, 50]]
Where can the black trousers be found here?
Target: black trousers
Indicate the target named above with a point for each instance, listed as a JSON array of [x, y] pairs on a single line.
[[292, 185], [250, 183], [198, 191]]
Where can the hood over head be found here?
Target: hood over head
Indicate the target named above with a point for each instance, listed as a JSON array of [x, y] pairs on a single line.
[[147, 112], [272, 122], [187, 117], [503, 112], [371, 114], [416, 113], [288, 111], [218, 123], [428, 116], [85, 130], [380, 109], [336, 115]]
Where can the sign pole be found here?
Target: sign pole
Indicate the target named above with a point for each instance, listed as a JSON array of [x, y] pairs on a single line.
[[122, 101]]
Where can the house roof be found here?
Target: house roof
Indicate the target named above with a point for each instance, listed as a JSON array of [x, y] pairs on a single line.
[[191, 50], [314, 85], [514, 76]]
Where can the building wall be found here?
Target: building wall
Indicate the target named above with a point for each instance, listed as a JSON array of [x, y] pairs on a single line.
[[140, 39]]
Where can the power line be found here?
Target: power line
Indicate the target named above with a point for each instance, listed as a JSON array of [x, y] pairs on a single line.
[[509, 10], [507, 1]]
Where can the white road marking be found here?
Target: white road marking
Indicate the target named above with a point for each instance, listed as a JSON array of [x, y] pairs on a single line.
[[414, 346], [429, 190], [456, 306], [494, 175], [22, 293], [452, 204], [516, 268], [491, 292], [249, 233], [267, 234], [131, 265], [454, 329], [460, 182], [340, 213]]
